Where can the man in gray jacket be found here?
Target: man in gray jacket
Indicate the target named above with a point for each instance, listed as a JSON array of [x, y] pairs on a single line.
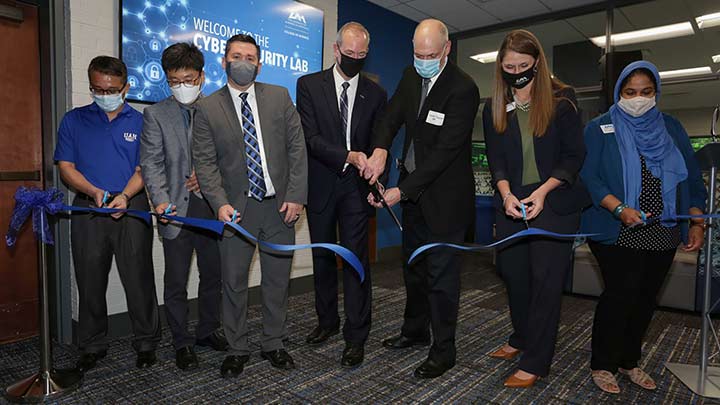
[[250, 158], [167, 168]]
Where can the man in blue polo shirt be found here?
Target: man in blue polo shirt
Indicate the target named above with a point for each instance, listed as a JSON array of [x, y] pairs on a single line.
[[98, 155]]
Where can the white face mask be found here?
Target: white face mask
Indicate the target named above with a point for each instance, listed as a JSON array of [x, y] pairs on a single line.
[[184, 94], [637, 106]]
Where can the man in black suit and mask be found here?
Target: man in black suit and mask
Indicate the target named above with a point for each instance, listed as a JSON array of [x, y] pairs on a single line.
[[338, 108], [437, 102]]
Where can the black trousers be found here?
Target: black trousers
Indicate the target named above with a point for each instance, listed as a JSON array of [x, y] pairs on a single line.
[[347, 213], [534, 270], [178, 255], [432, 285], [96, 238], [632, 280]]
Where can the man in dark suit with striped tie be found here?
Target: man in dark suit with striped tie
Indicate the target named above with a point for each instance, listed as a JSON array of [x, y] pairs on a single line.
[[251, 163], [338, 108]]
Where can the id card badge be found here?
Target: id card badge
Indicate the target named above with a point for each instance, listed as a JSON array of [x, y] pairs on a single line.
[[435, 118], [607, 129]]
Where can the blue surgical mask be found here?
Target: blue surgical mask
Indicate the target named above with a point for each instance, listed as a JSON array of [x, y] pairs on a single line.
[[110, 102], [427, 68]]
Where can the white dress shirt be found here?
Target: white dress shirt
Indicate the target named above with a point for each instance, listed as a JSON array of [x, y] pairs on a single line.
[[351, 91], [251, 99], [434, 78]]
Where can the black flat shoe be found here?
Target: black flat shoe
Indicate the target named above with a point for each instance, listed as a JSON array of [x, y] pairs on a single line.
[[431, 369], [402, 342], [320, 335], [185, 358], [215, 341], [353, 355], [279, 358], [146, 359], [233, 366], [88, 361]]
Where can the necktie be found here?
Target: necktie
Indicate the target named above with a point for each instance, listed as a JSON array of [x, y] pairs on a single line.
[[344, 111], [410, 157], [252, 152]]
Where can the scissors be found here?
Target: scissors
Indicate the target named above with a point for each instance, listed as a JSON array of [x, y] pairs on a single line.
[[375, 190], [168, 210], [106, 195], [524, 215], [234, 216]]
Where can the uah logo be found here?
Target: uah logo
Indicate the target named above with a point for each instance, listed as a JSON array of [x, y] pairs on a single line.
[[295, 16], [130, 137]]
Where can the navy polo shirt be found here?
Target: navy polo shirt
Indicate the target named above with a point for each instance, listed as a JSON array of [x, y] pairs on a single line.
[[105, 152]]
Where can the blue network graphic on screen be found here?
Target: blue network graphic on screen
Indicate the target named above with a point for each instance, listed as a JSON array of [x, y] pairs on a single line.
[[290, 35]]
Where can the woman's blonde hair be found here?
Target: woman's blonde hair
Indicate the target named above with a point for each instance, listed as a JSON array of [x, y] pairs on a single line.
[[544, 86]]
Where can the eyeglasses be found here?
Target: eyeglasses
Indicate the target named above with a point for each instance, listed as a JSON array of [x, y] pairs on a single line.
[[106, 92], [174, 84]]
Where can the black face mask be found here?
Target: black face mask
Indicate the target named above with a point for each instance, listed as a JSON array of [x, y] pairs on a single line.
[[519, 80], [351, 66]]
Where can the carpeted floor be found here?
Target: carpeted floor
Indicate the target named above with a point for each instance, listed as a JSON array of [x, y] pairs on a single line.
[[385, 376]]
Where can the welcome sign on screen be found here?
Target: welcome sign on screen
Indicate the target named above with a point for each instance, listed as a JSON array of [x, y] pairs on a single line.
[[290, 36]]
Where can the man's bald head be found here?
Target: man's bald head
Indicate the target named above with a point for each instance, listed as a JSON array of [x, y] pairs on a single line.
[[431, 40]]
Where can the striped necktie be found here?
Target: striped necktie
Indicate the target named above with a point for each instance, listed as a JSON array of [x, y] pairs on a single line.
[[344, 110], [252, 152]]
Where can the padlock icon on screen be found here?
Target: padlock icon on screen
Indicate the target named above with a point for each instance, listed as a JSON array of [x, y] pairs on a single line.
[[154, 45], [154, 72], [132, 82]]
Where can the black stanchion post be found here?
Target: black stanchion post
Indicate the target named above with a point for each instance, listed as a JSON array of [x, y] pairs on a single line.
[[47, 383]]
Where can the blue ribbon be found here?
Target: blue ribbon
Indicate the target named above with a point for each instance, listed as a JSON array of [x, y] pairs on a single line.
[[36, 202], [517, 235]]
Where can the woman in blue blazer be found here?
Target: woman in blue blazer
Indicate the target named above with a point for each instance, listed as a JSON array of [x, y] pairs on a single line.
[[640, 172], [535, 150]]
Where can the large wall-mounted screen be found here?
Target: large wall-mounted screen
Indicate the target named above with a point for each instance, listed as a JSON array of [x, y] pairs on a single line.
[[290, 35]]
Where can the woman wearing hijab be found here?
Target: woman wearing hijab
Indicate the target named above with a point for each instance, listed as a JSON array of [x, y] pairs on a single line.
[[641, 173], [535, 151]]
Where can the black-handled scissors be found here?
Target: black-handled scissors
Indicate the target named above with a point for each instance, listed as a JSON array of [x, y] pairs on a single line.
[[379, 197]]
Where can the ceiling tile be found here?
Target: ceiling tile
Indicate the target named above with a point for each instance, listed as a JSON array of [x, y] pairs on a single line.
[[408, 12], [556, 5], [386, 3], [459, 14], [508, 10]]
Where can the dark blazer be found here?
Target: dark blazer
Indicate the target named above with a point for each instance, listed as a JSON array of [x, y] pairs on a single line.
[[317, 104], [602, 172], [443, 183], [559, 153], [219, 148]]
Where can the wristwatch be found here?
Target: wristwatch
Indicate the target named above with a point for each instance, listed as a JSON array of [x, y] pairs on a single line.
[[403, 196]]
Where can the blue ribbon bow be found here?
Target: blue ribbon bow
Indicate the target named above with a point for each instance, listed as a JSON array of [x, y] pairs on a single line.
[[36, 202]]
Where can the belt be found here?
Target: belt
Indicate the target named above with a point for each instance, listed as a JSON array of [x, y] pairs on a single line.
[[86, 197]]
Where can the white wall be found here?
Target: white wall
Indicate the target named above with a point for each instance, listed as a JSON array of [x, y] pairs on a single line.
[[696, 121], [94, 30]]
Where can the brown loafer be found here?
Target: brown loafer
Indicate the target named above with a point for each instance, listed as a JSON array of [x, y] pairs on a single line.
[[501, 353], [515, 382]]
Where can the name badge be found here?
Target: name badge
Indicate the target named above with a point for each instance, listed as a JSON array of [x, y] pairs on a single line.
[[435, 118], [607, 128], [509, 107]]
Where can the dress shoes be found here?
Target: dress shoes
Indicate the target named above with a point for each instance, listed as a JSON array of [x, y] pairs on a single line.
[[431, 369], [215, 341], [233, 366], [402, 342], [279, 359], [515, 382], [88, 361], [501, 353], [320, 335], [146, 359], [353, 355], [185, 358]]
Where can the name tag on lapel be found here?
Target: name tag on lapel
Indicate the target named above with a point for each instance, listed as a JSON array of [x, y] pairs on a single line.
[[435, 118], [607, 128], [509, 107]]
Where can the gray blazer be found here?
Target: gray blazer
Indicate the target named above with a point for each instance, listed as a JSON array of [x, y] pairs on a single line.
[[219, 148], [165, 159]]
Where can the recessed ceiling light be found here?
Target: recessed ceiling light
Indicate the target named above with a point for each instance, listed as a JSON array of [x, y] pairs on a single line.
[[708, 20], [716, 59], [698, 71], [646, 35], [487, 57]]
